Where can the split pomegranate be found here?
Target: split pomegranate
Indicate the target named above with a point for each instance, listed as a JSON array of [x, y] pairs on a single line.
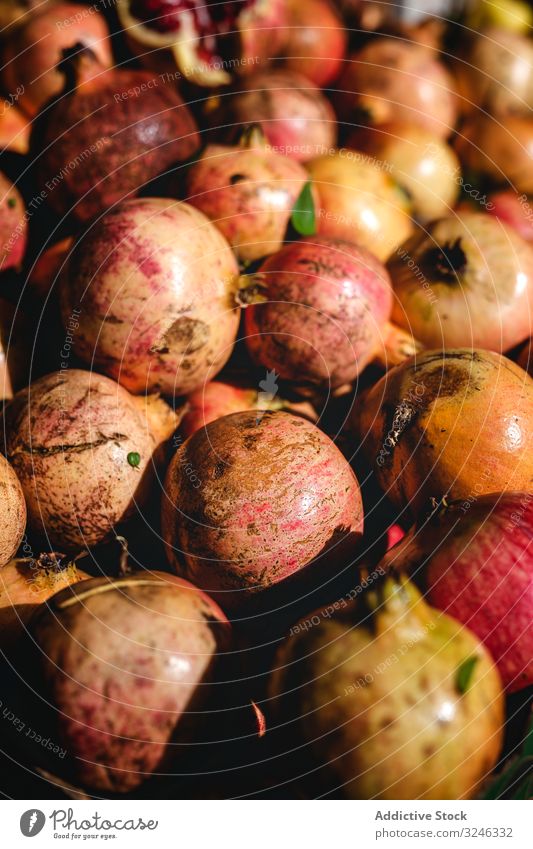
[[474, 560], [107, 135], [82, 452], [450, 423], [207, 42], [394, 80], [33, 52], [249, 193], [12, 512], [125, 707], [155, 283], [499, 149], [400, 703], [315, 42], [13, 226], [327, 302], [250, 500], [359, 201], [296, 118], [464, 280]]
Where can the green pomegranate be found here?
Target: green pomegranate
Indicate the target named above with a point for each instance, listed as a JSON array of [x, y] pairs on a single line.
[[400, 703]]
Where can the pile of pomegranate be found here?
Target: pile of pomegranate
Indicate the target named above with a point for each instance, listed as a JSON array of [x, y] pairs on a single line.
[[266, 469]]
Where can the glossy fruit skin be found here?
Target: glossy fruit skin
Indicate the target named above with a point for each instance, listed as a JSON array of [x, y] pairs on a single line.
[[120, 138], [359, 201], [122, 703], [316, 41], [249, 193], [12, 512], [68, 437], [13, 226], [474, 561], [251, 500], [296, 118], [421, 163], [500, 150], [327, 302], [375, 700], [452, 423], [464, 280], [32, 54], [156, 283], [514, 210], [391, 79]]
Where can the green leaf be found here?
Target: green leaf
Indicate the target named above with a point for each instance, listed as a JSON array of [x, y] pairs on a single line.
[[134, 458], [303, 217], [464, 673]]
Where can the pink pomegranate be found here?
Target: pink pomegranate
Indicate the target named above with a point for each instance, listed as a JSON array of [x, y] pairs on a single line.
[[294, 115], [327, 302], [474, 560], [206, 42], [390, 79], [514, 210], [316, 40], [251, 500], [13, 226], [248, 192], [126, 665], [33, 52], [155, 283]]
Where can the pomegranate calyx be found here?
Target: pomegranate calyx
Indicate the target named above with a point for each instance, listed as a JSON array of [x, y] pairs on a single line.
[[445, 262], [77, 64], [251, 289], [252, 137]]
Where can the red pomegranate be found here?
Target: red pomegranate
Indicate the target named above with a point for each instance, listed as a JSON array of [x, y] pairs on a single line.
[[474, 561], [327, 302], [205, 42], [296, 118], [13, 225], [248, 191], [154, 283], [106, 135], [515, 210], [33, 52], [253, 499], [316, 40]]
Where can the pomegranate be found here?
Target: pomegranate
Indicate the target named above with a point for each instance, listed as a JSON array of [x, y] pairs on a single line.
[[474, 560], [327, 302], [14, 129], [16, 330], [31, 55], [465, 280], [109, 133], [359, 201], [525, 360], [14, 13], [125, 707], [203, 42], [423, 164], [514, 210], [501, 151], [25, 583], [449, 423], [296, 118], [403, 703], [155, 282], [495, 76], [248, 191], [389, 79], [82, 451], [12, 512], [316, 41], [251, 500], [47, 268], [13, 225]]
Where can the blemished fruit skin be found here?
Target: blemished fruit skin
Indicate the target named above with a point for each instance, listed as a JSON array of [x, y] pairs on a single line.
[[254, 498], [12, 512], [455, 423], [327, 301], [124, 705], [155, 282], [378, 703], [474, 561], [465, 280], [249, 193], [68, 437]]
